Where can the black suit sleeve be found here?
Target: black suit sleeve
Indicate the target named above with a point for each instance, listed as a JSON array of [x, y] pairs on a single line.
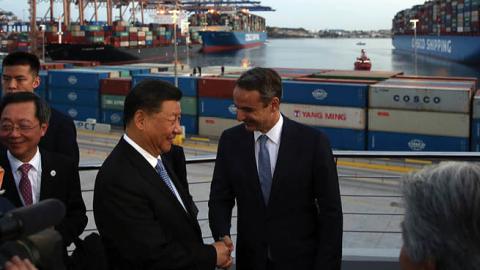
[[222, 198], [75, 218], [327, 194]]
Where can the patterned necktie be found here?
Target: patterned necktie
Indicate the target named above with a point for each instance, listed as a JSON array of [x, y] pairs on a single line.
[[164, 175], [264, 168], [25, 186]]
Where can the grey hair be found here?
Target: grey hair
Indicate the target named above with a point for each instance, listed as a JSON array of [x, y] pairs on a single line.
[[442, 215]]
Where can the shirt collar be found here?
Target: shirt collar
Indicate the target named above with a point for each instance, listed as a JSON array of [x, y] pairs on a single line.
[[150, 159], [274, 133], [15, 163]]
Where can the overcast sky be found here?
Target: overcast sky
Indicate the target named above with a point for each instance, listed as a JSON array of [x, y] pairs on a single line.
[[309, 14]]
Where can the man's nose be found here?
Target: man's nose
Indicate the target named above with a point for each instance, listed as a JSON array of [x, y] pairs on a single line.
[[11, 85]]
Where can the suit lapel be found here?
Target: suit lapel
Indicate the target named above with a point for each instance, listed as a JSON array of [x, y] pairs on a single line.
[[11, 192], [285, 154], [150, 175], [47, 181]]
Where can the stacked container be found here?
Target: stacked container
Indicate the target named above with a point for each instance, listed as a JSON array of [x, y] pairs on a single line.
[[419, 115], [339, 110], [75, 92], [217, 111], [475, 134], [188, 86], [112, 93]]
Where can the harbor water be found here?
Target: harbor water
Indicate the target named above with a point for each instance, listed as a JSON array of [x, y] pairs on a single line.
[[335, 54]]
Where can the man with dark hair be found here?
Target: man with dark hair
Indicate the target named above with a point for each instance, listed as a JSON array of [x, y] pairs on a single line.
[[284, 180], [21, 73], [142, 208], [33, 174]]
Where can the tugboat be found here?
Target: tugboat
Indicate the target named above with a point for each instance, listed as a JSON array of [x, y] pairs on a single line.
[[363, 62]]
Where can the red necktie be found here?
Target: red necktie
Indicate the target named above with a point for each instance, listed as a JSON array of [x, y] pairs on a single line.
[[25, 186]]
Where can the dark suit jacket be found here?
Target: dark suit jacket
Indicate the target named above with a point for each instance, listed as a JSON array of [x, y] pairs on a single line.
[[64, 185], [301, 228], [143, 225], [61, 136]]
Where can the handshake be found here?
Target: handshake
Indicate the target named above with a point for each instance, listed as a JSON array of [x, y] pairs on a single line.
[[224, 249]]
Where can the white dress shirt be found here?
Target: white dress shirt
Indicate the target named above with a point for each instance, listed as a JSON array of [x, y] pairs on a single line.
[[272, 144], [34, 174], [153, 162]]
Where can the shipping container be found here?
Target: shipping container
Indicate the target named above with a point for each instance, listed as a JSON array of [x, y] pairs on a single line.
[[112, 117], [190, 123], [116, 86], [76, 112], [214, 126], [79, 78], [216, 107], [325, 116], [189, 106], [112, 102], [74, 96], [187, 84], [216, 87], [419, 122], [420, 97], [331, 94], [345, 139], [393, 141]]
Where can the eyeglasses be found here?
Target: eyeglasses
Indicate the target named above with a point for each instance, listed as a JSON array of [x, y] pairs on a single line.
[[22, 128]]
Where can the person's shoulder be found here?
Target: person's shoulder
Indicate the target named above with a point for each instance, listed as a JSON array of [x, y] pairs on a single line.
[[59, 117], [57, 158], [238, 130]]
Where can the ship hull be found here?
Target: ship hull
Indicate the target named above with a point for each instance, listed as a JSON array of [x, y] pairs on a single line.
[[220, 41], [465, 49], [108, 54]]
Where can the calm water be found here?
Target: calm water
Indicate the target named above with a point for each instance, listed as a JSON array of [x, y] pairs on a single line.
[[335, 54]]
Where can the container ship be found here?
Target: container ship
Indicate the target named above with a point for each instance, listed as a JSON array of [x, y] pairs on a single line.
[[227, 27], [448, 29], [128, 39]]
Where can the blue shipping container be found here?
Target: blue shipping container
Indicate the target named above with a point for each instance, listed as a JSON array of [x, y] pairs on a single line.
[[331, 94], [112, 117], [391, 141], [188, 85], [78, 112], [345, 139], [190, 123], [80, 79], [74, 97], [216, 107], [131, 69]]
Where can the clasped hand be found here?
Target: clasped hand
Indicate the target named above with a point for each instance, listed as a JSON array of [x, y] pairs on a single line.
[[224, 250]]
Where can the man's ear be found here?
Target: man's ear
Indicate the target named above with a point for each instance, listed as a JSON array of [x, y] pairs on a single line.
[[43, 128], [275, 104], [139, 119], [36, 82]]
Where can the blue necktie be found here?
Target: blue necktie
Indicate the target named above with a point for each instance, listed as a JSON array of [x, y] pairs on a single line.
[[164, 175], [264, 168]]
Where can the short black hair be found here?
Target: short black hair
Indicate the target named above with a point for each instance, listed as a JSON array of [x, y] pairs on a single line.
[[23, 58], [42, 110], [264, 80], [149, 95]]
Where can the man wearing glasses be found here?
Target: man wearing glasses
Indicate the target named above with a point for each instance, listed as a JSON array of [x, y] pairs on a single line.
[[21, 74], [33, 174]]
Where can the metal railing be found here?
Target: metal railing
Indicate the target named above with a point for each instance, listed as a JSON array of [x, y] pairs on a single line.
[[369, 261]]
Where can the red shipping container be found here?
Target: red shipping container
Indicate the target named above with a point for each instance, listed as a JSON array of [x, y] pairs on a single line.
[[124, 39], [115, 86], [216, 87], [94, 33], [133, 35], [141, 38]]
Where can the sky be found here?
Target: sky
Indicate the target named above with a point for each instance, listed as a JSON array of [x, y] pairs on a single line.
[[309, 14]]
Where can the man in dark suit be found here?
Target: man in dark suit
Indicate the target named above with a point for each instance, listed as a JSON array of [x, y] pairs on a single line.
[[21, 73], [284, 179], [33, 174], [142, 208]]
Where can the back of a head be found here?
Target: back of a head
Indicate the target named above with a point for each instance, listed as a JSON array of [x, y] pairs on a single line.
[[22, 58], [264, 80], [148, 95], [442, 218]]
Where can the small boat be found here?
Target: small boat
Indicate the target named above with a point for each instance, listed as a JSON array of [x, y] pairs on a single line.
[[362, 62], [361, 43]]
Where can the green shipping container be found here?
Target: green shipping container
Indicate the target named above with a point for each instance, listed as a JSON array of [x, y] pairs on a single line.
[[113, 102], [189, 105]]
